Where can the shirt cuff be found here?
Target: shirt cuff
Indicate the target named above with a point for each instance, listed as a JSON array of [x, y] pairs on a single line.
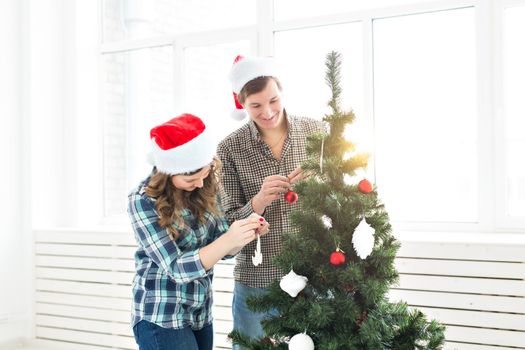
[[190, 267], [245, 211]]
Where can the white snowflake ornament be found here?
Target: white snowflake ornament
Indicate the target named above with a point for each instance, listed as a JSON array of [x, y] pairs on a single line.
[[327, 222], [363, 239], [293, 283], [301, 341], [257, 258]]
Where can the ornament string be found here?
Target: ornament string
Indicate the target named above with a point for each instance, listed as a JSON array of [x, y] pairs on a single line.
[[336, 243], [321, 156]]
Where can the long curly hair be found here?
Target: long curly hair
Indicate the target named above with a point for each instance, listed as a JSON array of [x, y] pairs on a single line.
[[171, 200]]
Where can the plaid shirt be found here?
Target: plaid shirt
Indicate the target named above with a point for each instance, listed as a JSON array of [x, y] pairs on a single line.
[[247, 160], [171, 288]]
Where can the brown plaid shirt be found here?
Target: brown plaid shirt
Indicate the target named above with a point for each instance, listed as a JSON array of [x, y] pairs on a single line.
[[247, 160]]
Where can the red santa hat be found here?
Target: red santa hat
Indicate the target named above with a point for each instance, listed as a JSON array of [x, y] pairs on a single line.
[[181, 145], [245, 69]]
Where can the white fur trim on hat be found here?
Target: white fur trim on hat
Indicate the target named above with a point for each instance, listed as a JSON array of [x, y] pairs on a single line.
[[193, 155], [249, 68], [239, 114]]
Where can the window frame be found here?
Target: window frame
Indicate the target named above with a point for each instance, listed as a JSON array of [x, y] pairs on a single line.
[[503, 221], [489, 94], [178, 44]]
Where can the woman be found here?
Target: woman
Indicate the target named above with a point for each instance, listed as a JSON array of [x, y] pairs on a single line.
[[261, 161], [181, 234]]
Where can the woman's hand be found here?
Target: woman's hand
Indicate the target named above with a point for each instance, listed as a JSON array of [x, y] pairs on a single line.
[[271, 189], [242, 232], [264, 226]]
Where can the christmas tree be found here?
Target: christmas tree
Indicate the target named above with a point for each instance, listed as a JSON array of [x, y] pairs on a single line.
[[340, 259]]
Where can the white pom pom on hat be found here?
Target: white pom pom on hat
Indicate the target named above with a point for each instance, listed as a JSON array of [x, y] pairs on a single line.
[[245, 69], [239, 113], [181, 145]]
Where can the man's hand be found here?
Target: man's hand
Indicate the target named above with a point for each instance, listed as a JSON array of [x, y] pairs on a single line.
[[271, 189]]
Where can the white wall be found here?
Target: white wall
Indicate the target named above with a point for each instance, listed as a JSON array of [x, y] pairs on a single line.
[[63, 65], [48, 101], [37, 139], [15, 246]]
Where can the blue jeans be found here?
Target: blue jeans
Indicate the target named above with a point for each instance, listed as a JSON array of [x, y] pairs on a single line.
[[150, 336], [244, 320]]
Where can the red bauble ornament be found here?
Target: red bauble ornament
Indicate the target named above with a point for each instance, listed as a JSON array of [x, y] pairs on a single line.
[[365, 186], [291, 197], [338, 257]]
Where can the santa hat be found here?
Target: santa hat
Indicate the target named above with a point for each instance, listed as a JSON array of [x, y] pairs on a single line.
[[245, 69], [181, 145]]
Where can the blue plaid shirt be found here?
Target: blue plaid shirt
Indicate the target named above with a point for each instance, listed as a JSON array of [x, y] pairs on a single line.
[[171, 288]]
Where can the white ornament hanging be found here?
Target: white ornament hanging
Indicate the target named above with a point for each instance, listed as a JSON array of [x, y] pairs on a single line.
[[293, 283], [363, 239], [301, 341], [257, 258], [327, 222]]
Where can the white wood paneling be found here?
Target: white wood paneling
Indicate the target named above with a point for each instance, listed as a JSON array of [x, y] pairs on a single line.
[[486, 251], [106, 302], [477, 289], [45, 344], [222, 299], [117, 328], [461, 301], [82, 312], [442, 267], [86, 338], [76, 262], [462, 346], [83, 290]]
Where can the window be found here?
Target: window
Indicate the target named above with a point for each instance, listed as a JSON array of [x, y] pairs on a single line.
[[425, 116], [294, 9], [207, 91], [159, 62], [138, 94], [412, 72], [135, 19], [514, 113], [303, 72]]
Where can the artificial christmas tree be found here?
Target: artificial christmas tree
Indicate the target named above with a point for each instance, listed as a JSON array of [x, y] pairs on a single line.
[[340, 259]]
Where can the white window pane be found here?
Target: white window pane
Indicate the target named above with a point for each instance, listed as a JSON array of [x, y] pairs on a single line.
[[514, 56], [131, 19], [294, 9], [207, 90], [304, 89], [425, 116], [137, 95]]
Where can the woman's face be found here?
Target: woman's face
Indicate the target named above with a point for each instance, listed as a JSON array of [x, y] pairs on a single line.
[[191, 182], [265, 108]]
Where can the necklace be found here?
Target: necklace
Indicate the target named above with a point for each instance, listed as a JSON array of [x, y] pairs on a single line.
[[277, 147], [273, 145]]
